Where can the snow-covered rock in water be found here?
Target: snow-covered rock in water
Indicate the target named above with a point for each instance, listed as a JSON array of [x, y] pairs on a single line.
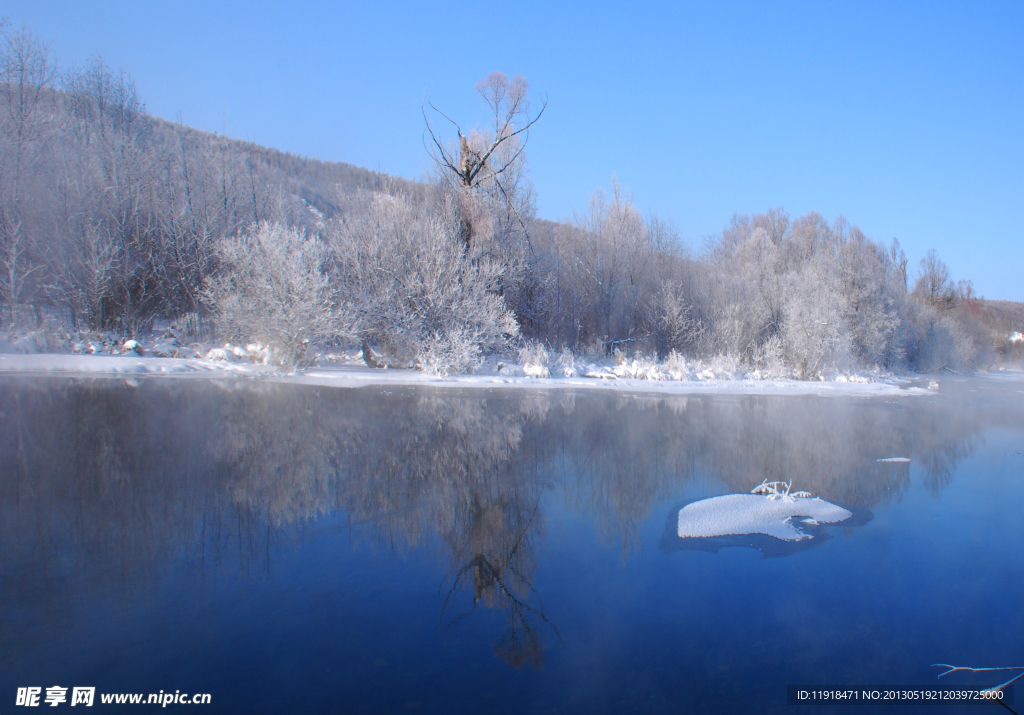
[[737, 514]]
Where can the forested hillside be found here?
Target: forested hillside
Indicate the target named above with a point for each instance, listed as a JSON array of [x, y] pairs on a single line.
[[112, 218]]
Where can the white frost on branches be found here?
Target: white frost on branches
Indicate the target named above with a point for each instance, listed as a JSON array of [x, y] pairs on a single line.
[[273, 288], [423, 301]]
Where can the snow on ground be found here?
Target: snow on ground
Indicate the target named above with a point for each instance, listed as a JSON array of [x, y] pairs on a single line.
[[738, 514], [103, 354], [353, 375]]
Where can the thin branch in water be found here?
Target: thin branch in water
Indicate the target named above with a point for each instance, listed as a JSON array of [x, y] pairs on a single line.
[[964, 668]]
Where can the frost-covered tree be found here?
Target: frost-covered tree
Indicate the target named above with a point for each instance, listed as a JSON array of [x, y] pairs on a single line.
[[273, 288], [27, 72], [816, 294], [423, 301], [482, 174], [813, 331]]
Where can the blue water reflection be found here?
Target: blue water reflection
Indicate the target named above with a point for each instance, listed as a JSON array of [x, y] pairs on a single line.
[[291, 549]]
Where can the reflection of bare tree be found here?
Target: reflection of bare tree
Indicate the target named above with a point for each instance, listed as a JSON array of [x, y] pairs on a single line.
[[404, 469], [457, 467], [501, 579]]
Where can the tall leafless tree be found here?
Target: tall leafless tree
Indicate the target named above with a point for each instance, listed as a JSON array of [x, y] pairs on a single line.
[[486, 158]]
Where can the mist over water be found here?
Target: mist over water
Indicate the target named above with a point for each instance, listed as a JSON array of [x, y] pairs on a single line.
[[289, 548]]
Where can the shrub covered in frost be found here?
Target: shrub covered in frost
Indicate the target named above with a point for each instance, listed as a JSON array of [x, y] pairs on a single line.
[[565, 364], [422, 301], [273, 289], [534, 360]]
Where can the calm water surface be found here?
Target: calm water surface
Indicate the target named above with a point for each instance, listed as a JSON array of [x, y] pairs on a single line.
[[299, 549]]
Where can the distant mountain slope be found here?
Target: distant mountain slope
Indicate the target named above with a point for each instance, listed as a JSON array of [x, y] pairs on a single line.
[[1004, 316], [313, 180]]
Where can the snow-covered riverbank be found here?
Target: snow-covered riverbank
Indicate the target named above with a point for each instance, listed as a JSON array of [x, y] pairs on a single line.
[[348, 373]]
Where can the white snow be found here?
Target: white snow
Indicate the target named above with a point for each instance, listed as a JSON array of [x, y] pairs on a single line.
[[894, 459], [166, 352], [352, 376], [737, 514], [231, 364], [129, 346], [537, 371]]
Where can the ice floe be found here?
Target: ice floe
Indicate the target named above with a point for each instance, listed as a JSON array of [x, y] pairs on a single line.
[[771, 514]]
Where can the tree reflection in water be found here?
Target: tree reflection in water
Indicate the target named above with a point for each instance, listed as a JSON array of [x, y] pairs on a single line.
[[110, 485], [499, 580]]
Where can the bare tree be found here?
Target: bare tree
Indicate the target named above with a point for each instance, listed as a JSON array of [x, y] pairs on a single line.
[[14, 263], [487, 157], [933, 281], [899, 260], [26, 73]]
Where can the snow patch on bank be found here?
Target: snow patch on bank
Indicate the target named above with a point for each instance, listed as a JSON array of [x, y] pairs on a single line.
[[740, 514]]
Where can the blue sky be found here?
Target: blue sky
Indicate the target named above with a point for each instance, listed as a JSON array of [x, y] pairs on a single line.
[[906, 119]]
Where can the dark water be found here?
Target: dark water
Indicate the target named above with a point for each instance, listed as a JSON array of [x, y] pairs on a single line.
[[294, 549]]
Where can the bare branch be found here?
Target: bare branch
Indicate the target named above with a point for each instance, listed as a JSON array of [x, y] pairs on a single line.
[[499, 141], [964, 668]]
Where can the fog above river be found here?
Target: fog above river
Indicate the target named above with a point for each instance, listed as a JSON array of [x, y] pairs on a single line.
[[118, 475]]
